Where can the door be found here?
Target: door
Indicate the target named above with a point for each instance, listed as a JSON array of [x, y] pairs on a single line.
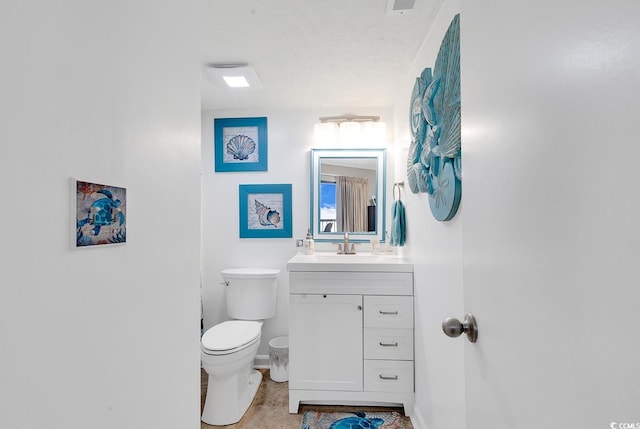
[[551, 203]]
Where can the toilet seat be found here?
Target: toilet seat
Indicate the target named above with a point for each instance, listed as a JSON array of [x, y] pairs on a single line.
[[230, 337]]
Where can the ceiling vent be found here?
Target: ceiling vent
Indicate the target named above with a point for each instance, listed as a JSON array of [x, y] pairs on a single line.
[[399, 7]]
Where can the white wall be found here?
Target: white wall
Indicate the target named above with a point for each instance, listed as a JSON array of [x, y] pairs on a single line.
[[106, 92], [436, 250], [290, 138]]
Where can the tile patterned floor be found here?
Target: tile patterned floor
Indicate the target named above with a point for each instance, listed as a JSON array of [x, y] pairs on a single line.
[[270, 408]]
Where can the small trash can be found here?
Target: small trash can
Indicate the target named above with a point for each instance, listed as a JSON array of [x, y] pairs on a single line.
[[279, 358]]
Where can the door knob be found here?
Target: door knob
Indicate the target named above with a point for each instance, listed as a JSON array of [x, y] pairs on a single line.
[[454, 328]]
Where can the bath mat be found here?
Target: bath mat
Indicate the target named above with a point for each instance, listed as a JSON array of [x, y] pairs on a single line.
[[354, 420]]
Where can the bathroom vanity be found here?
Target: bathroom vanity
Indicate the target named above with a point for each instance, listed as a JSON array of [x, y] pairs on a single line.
[[351, 330]]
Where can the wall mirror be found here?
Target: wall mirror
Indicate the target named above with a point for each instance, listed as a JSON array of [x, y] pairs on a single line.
[[348, 194]]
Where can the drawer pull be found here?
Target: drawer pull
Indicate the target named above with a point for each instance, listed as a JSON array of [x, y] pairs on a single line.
[[383, 377], [394, 313], [388, 344]]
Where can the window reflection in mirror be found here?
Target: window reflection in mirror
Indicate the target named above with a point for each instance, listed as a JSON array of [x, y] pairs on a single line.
[[347, 193]]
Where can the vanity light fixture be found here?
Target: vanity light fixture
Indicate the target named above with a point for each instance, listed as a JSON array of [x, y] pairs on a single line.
[[349, 132], [234, 75], [325, 133], [350, 129]]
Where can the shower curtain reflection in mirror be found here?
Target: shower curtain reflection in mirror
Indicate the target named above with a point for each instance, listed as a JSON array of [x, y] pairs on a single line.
[[351, 203], [347, 194]]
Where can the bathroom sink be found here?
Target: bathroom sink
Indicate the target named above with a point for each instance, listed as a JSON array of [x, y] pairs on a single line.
[[330, 261]]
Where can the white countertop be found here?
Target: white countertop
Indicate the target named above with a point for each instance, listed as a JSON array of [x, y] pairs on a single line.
[[331, 261]]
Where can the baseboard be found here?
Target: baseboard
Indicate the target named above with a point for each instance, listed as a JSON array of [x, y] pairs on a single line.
[[261, 362], [416, 419]]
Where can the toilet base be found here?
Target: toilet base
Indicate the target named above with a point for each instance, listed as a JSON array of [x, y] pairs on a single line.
[[228, 399]]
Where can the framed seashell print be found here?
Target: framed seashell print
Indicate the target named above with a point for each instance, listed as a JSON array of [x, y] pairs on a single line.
[[265, 211], [240, 144]]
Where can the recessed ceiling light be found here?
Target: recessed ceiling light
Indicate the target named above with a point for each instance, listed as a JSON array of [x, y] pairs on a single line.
[[236, 81], [236, 75]]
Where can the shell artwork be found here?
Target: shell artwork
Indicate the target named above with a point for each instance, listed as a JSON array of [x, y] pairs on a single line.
[[428, 109], [240, 147], [435, 125], [413, 162], [266, 216], [457, 166]]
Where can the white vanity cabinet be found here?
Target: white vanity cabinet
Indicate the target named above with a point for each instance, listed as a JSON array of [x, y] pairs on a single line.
[[351, 334]]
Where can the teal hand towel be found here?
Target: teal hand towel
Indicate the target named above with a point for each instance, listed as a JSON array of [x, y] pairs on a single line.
[[398, 226]]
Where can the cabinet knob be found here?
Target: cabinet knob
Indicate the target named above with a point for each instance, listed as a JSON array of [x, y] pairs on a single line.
[[359, 307]]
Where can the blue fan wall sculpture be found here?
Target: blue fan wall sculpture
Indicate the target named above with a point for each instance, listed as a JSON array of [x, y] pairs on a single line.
[[434, 161]]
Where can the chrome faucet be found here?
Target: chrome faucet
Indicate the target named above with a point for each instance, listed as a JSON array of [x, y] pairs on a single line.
[[344, 249]]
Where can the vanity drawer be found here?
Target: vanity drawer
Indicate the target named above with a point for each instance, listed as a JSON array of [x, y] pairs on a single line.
[[392, 344], [351, 283], [388, 312], [388, 376]]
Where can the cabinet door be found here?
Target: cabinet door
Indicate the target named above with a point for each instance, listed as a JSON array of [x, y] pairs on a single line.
[[325, 342]]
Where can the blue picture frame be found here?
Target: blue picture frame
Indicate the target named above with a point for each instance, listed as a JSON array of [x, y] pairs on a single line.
[[240, 144], [265, 211]]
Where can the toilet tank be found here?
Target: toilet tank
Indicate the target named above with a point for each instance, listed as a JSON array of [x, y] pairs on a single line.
[[250, 292]]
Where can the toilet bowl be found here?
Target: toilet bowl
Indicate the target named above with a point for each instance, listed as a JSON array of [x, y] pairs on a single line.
[[228, 349], [232, 380]]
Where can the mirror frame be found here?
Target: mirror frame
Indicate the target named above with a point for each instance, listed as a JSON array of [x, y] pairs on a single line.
[[380, 155]]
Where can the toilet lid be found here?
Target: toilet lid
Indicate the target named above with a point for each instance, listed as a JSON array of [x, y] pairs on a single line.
[[248, 273], [231, 335]]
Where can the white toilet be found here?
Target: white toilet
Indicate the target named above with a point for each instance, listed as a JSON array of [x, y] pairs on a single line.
[[229, 348]]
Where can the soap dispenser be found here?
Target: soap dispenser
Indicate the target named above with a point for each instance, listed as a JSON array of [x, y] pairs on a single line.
[[308, 243]]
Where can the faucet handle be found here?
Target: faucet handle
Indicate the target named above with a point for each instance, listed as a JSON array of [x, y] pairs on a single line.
[[353, 249], [340, 252]]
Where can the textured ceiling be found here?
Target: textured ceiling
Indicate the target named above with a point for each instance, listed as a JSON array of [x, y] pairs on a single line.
[[312, 54]]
